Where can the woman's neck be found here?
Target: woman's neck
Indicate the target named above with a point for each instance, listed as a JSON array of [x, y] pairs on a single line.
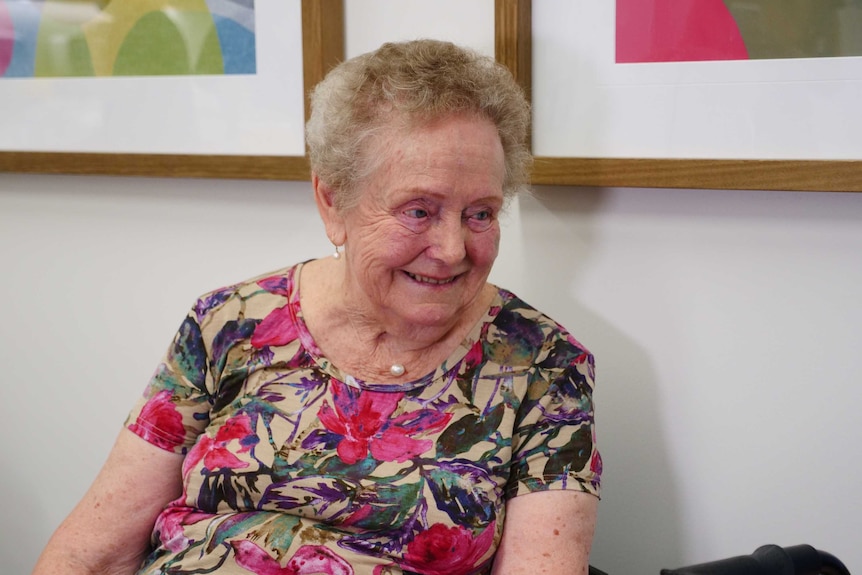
[[370, 345]]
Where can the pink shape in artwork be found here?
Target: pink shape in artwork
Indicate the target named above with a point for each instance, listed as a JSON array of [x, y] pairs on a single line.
[[676, 31], [7, 38]]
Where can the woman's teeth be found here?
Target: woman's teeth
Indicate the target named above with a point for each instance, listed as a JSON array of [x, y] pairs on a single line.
[[432, 281]]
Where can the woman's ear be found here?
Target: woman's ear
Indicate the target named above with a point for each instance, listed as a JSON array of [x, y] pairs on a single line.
[[333, 221]]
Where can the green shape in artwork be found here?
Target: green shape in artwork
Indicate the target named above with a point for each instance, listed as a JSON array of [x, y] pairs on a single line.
[[160, 46], [61, 50], [210, 58]]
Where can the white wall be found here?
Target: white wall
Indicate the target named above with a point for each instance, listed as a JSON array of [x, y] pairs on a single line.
[[726, 327]]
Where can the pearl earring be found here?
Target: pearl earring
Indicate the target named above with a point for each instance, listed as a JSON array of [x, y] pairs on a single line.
[[337, 254]]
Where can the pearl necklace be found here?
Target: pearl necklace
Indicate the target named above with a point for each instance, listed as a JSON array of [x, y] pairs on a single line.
[[397, 369]]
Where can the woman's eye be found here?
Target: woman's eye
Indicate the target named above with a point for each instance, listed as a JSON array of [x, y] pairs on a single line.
[[481, 216], [417, 213], [480, 220]]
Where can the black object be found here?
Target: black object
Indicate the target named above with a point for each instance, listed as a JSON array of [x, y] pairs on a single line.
[[770, 560]]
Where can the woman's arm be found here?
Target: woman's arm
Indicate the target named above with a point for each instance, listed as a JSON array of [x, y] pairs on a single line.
[[547, 533], [109, 530]]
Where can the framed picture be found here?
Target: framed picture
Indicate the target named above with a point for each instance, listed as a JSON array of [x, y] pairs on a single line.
[[770, 123], [225, 120], [557, 54]]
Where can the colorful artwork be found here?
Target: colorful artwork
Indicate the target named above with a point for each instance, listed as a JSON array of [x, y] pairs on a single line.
[[78, 38], [692, 30]]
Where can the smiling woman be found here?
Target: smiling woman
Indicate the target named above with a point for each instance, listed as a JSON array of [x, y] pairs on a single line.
[[433, 200], [381, 412]]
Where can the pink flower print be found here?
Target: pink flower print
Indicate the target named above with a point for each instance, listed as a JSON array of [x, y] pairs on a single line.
[[474, 356], [362, 419], [394, 442], [357, 417], [169, 526], [277, 284], [596, 465], [277, 328], [214, 451], [160, 423], [360, 514], [307, 560], [442, 550]]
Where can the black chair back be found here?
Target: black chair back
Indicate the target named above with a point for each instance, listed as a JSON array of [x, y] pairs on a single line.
[[770, 560]]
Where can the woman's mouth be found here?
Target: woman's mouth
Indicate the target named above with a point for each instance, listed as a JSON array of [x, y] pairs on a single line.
[[430, 280]]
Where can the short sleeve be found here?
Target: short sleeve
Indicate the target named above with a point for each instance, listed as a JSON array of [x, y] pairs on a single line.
[[175, 406], [554, 444]]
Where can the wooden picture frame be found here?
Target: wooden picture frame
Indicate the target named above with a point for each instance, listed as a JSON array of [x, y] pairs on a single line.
[[322, 47], [514, 49]]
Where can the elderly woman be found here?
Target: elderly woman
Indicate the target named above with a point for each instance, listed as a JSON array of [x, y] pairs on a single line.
[[382, 410]]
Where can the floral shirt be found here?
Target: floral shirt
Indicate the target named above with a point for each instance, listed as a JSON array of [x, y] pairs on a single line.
[[293, 467]]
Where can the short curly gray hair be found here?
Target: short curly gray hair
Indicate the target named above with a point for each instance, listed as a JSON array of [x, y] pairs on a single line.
[[403, 84]]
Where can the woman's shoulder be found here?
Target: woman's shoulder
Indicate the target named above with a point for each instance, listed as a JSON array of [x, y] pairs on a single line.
[[519, 319], [276, 285]]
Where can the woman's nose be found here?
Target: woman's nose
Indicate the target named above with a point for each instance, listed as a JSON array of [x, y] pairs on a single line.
[[448, 241]]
